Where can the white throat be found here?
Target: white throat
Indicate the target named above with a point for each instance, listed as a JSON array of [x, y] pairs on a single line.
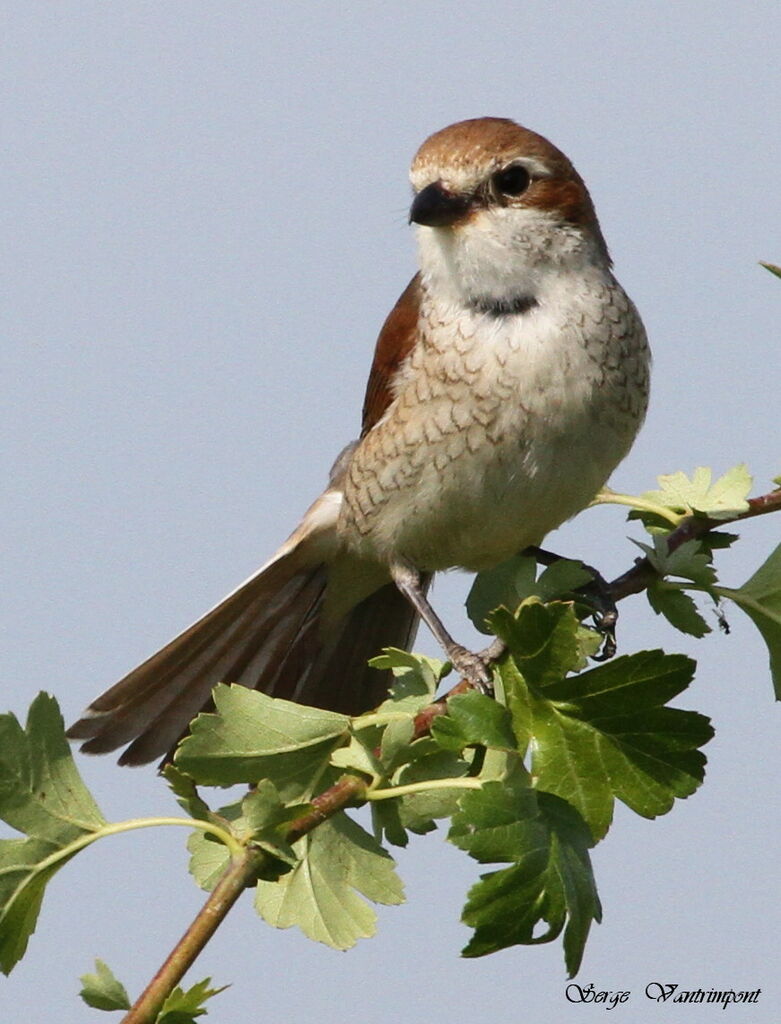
[[504, 257]]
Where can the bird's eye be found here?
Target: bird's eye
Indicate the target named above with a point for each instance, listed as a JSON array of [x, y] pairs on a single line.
[[511, 181]]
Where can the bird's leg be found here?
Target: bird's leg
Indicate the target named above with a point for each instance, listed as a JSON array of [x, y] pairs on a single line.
[[597, 595], [469, 665]]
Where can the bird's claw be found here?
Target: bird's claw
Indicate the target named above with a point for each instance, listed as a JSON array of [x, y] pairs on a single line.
[[605, 625], [473, 667], [604, 613]]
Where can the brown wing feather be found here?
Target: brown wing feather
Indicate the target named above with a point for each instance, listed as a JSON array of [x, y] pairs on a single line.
[[396, 340]]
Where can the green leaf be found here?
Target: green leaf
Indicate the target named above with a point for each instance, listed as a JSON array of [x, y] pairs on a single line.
[[259, 817], [42, 795], [605, 734], [717, 540], [678, 608], [415, 680], [357, 756], [209, 859], [760, 599], [561, 578], [550, 880], [690, 561], [187, 796], [547, 642], [420, 760], [102, 991], [23, 879], [473, 718], [720, 500], [386, 822], [267, 820], [506, 586], [511, 582], [338, 860], [602, 734], [418, 810], [183, 1007], [396, 739], [41, 791], [252, 736]]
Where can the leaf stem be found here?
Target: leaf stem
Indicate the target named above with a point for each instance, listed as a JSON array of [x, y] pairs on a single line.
[[377, 718], [608, 497], [423, 787], [209, 827], [116, 828]]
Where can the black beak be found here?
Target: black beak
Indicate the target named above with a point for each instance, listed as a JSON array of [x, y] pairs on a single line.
[[435, 207]]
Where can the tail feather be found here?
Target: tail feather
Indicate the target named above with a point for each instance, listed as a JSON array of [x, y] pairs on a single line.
[[340, 678], [269, 635]]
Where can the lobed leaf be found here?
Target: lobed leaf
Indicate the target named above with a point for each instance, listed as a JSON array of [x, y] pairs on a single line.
[[338, 860], [760, 599], [251, 736], [23, 880], [102, 990], [417, 811], [187, 796], [43, 796], [604, 733], [209, 859], [473, 719], [550, 880], [416, 678], [41, 791], [547, 642], [513, 581], [678, 608], [720, 500], [184, 1006], [690, 561]]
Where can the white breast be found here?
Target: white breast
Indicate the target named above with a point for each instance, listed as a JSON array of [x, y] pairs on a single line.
[[503, 426]]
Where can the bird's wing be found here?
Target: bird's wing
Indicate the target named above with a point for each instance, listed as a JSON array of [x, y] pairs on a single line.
[[397, 339]]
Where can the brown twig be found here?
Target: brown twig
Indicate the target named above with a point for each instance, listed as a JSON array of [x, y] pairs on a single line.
[[349, 791], [643, 573], [231, 885], [242, 872]]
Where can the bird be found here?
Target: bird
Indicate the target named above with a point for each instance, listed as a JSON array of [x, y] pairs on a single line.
[[508, 382]]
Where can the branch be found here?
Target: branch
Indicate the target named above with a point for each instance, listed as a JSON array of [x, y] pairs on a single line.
[[242, 872], [643, 573], [351, 790]]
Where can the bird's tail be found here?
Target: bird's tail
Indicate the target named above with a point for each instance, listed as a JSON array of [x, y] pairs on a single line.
[[271, 635]]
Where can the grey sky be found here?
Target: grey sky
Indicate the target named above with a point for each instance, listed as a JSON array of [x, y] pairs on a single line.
[[203, 227]]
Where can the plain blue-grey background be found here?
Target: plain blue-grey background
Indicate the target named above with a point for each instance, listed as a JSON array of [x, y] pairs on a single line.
[[203, 223]]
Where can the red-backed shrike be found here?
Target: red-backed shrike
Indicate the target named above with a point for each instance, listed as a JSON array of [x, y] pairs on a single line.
[[508, 381]]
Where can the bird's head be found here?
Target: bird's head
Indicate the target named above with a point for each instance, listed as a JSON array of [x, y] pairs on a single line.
[[498, 208]]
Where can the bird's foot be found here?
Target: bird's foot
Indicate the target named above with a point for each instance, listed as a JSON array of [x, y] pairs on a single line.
[[604, 614], [605, 625], [596, 595], [474, 667]]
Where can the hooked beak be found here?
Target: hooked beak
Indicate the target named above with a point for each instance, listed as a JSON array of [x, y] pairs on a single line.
[[435, 207]]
